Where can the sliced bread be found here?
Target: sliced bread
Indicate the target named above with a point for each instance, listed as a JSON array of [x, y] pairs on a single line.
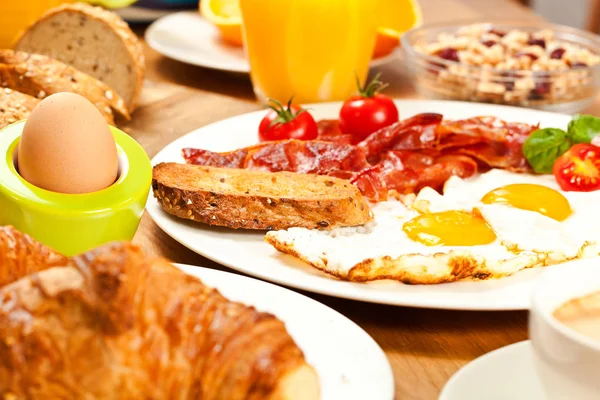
[[249, 199], [93, 40], [15, 106], [40, 76]]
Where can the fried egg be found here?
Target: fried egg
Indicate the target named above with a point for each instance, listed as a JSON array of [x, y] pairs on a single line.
[[491, 225]]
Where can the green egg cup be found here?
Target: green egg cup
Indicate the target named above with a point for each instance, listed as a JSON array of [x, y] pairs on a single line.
[[75, 223]]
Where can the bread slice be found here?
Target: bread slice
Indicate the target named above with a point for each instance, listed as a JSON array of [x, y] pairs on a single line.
[[93, 40], [248, 199], [15, 106], [40, 76]]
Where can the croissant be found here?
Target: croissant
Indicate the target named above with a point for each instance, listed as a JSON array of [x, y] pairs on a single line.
[[115, 324]]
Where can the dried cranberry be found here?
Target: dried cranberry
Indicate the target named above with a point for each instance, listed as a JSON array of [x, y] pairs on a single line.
[[509, 83], [537, 42], [488, 43], [557, 53], [578, 65], [542, 88], [497, 32], [448, 53], [530, 55]]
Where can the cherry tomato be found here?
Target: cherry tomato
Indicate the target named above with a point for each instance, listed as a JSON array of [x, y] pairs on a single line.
[[579, 168], [291, 122], [368, 112]]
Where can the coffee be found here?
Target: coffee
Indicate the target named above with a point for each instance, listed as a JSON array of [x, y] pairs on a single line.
[[582, 315]]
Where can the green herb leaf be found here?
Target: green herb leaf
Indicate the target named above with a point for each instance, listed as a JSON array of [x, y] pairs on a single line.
[[583, 128], [544, 146]]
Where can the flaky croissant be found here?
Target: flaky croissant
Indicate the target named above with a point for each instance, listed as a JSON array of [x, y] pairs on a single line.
[[115, 324]]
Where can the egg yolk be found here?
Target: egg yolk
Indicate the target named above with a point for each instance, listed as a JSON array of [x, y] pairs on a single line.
[[538, 198], [450, 228]]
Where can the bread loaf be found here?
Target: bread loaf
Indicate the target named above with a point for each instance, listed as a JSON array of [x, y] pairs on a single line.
[[40, 76], [93, 40]]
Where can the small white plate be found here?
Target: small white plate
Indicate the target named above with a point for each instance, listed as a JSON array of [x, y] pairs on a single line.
[[504, 374], [187, 37], [349, 363], [247, 252]]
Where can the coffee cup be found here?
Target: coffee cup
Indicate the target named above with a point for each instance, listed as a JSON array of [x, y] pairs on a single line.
[[566, 359]]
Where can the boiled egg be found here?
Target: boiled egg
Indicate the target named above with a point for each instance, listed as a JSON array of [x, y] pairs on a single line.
[[67, 147]]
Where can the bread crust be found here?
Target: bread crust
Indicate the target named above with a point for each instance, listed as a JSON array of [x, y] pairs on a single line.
[[314, 202], [15, 106], [114, 22], [40, 76]]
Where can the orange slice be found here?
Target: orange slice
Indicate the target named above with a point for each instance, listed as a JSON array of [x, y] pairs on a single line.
[[226, 16], [395, 18]]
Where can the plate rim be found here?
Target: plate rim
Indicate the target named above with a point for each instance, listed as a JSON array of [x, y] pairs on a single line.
[[331, 312], [244, 67], [342, 290]]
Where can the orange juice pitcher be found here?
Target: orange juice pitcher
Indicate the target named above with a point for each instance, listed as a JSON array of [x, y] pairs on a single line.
[[312, 50], [16, 15]]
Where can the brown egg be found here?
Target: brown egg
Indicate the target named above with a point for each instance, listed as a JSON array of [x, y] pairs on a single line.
[[67, 147]]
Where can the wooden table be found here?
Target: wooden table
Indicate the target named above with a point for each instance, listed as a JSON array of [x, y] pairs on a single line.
[[424, 347]]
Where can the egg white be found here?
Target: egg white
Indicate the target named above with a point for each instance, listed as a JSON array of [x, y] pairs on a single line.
[[381, 249]]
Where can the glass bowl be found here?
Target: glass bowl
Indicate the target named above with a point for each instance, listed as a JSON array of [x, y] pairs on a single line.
[[566, 90]]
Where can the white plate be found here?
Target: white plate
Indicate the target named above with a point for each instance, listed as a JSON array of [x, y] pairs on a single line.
[[349, 363], [504, 374], [187, 37], [245, 251]]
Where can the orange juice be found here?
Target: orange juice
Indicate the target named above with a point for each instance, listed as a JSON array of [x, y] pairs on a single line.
[[18, 14], [310, 49]]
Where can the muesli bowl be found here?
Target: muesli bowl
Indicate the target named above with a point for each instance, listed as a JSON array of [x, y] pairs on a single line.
[[522, 63]]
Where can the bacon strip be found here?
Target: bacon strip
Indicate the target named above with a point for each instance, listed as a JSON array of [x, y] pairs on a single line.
[[419, 151]]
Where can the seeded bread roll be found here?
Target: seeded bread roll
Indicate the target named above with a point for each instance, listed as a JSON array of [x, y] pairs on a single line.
[[15, 106], [40, 76], [93, 40]]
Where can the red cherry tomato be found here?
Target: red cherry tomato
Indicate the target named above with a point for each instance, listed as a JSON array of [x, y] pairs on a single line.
[[579, 168], [368, 112], [291, 122]]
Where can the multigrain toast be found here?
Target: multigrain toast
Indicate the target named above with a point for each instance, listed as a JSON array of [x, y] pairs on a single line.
[[247, 199], [93, 40], [40, 76]]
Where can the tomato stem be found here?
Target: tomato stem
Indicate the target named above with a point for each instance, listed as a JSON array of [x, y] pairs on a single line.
[[371, 88], [284, 113]]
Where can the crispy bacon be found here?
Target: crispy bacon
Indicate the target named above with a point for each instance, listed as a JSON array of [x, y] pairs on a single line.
[[413, 133], [405, 157]]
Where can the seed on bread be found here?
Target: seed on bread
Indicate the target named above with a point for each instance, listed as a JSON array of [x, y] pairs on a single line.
[[246, 199]]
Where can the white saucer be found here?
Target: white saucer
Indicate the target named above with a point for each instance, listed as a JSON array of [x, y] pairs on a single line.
[[187, 37], [504, 374]]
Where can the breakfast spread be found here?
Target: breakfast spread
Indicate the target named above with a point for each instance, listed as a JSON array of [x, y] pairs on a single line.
[[484, 62], [582, 315], [93, 40], [445, 194], [57, 153], [247, 199], [115, 321]]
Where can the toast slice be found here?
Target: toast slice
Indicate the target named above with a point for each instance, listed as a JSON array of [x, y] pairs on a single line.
[[93, 40], [15, 106], [249, 199], [40, 76]]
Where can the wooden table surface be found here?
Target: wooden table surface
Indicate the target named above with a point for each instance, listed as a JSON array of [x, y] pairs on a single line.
[[424, 347]]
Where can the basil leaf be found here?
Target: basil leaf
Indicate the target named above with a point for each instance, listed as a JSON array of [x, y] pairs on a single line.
[[583, 128], [544, 146]]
